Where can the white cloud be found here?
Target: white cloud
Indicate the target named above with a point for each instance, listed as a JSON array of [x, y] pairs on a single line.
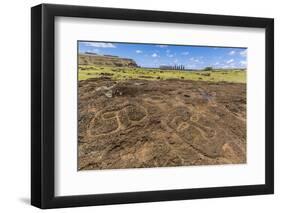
[[185, 53], [170, 55], [176, 60], [99, 44], [243, 62], [138, 51], [154, 55], [96, 50], [92, 50], [195, 60], [228, 66], [231, 52], [243, 53], [191, 66], [230, 61], [162, 46]]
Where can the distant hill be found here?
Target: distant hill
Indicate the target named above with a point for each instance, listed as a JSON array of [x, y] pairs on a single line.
[[105, 60]]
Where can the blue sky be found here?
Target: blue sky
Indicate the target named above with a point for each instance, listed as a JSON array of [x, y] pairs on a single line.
[[153, 55]]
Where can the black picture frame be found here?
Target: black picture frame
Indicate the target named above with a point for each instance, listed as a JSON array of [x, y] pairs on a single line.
[[43, 102]]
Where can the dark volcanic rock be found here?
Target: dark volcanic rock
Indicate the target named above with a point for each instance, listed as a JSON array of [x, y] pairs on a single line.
[[142, 123]]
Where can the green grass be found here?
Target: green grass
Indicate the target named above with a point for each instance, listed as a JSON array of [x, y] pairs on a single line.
[[125, 73]]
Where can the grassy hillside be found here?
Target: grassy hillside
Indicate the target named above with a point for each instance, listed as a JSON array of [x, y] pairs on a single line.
[[100, 60], [125, 73]]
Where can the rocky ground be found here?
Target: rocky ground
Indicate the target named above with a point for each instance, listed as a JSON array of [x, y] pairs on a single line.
[[142, 123]]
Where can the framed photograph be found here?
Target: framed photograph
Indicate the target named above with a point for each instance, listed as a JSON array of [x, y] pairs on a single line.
[[136, 106]]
